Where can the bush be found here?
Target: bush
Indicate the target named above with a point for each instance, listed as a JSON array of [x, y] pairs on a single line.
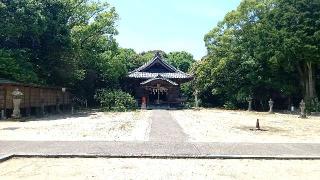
[[230, 105], [115, 100], [313, 105]]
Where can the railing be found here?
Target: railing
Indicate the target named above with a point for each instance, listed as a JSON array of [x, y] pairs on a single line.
[[80, 101]]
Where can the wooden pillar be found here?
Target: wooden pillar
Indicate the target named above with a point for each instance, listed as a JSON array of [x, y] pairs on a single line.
[[5, 101], [28, 107]]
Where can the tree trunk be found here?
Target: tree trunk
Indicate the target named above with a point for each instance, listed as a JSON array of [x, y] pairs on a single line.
[[311, 81], [307, 81]]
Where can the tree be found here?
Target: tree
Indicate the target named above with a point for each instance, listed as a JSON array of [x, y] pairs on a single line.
[[181, 60], [296, 25], [253, 51]]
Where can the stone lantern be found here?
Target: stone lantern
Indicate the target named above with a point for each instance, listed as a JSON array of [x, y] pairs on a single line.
[[303, 109], [17, 97], [271, 106]]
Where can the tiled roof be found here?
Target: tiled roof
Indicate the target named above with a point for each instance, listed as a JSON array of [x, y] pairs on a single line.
[[6, 81], [147, 75], [159, 77], [173, 74]]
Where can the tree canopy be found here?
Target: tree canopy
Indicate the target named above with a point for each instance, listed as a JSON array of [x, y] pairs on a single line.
[[263, 49]]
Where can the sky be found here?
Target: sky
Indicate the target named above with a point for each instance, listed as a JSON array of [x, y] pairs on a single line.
[[168, 25]]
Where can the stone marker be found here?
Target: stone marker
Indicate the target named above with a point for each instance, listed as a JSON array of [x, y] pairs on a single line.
[[250, 103], [144, 103], [16, 97], [292, 108], [3, 115], [303, 109], [196, 101], [271, 106], [258, 125], [58, 106]]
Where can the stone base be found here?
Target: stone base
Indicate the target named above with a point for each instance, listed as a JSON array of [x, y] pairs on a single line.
[[303, 116], [143, 106], [16, 116]]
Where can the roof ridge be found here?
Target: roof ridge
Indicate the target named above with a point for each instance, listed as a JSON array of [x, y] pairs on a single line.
[[159, 77], [157, 57]]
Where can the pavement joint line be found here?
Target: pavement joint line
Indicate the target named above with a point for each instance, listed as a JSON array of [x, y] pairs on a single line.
[[222, 157], [5, 157]]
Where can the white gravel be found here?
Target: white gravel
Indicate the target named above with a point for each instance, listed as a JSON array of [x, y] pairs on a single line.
[[126, 126], [184, 169], [216, 125]]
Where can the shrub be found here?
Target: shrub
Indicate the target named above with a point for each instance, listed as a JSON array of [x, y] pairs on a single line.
[[115, 100], [230, 105]]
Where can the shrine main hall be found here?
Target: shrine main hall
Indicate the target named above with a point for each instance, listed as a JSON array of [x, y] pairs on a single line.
[[157, 84]]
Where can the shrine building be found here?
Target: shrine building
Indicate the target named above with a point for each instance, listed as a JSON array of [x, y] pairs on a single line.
[[157, 84]]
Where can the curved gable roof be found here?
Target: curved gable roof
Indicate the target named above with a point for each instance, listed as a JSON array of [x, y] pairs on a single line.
[[159, 77], [172, 72]]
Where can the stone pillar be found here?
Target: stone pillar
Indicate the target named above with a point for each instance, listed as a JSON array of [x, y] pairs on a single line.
[[3, 114], [16, 97], [196, 100], [42, 108], [271, 106], [58, 105], [250, 103], [144, 103], [292, 108], [303, 109]]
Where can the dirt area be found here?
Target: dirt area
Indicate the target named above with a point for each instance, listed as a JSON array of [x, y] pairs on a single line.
[[126, 126], [77, 168], [215, 125]]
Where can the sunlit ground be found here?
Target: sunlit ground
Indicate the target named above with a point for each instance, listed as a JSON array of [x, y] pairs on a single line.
[[216, 125], [125, 126], [77, 168]]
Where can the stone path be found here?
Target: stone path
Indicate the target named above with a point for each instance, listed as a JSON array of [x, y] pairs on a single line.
[[165, 129]]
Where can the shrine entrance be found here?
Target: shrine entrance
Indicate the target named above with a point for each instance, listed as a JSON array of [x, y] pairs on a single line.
[[157, 94]]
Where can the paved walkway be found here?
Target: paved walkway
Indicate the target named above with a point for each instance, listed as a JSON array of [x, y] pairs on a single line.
[[159, 149], [165, 129]]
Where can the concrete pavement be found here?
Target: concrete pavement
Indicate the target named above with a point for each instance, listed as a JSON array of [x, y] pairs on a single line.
[[165, 129], [160, 149]]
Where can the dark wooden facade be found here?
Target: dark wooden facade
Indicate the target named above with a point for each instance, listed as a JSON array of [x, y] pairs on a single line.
[[158, 83], [50, 99]]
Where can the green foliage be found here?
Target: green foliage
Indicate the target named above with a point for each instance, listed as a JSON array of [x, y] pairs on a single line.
[[263, 49], [15, 65], [61, 43], [181, 60], [115, 100], [230, 105]]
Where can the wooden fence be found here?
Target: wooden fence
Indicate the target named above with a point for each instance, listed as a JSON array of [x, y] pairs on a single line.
[[34, 97]]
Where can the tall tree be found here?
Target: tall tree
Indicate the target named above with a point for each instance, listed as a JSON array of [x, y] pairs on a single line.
[[257, 50], [295, 36], [181, 60]]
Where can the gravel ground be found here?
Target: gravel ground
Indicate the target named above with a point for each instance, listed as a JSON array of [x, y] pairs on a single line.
[[215, 125], [126, 126], [77, 168]]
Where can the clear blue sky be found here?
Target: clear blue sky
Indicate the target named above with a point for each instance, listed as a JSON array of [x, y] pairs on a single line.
[[169, 25]]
